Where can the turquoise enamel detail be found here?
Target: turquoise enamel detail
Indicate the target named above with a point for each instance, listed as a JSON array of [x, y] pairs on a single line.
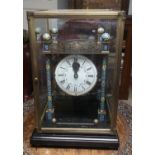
[[103, 79], [49, 90]]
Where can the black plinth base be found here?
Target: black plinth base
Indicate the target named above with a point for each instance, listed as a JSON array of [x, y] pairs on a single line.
[[74, 140]]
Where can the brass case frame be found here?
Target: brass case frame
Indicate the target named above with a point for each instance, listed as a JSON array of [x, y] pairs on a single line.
[[77, 14]]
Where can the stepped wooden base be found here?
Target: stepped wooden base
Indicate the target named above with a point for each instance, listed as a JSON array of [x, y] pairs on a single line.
[[74, 140]]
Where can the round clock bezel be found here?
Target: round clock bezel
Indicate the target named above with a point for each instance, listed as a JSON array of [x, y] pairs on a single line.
[[82, 92]]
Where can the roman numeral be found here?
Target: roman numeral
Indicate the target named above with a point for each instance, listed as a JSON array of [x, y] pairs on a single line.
[[62, 82], [83, 87], [68, 87], [83, 62], [75, 59], [60, 74], [89, 68], [87, 82], [90, 76], [75, 89], [62, 67], [68, 62]]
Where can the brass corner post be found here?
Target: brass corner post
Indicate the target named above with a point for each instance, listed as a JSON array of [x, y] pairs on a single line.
[[35, 76], [119, 41]]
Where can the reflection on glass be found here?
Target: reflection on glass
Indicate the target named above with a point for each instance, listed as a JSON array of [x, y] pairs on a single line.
[[64, 81]]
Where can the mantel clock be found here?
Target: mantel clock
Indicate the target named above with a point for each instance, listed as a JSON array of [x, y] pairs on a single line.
[[76, 63]]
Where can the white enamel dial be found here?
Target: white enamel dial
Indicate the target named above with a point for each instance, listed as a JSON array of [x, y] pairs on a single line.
[[76, 75]]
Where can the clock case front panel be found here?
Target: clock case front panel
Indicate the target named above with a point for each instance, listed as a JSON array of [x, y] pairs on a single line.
[[76, 111], [80, 121]]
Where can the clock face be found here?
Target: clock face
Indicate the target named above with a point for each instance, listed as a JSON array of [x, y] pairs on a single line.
[[76, 75]]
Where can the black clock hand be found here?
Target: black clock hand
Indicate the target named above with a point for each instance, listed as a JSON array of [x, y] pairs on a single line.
[[75, 66]]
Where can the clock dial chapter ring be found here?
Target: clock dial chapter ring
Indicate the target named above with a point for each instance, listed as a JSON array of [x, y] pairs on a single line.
[[76, 75]]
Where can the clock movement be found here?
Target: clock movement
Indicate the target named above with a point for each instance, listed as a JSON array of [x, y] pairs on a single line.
[[76, 63]]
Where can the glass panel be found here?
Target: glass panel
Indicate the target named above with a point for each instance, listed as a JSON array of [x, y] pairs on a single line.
[[76, 65]]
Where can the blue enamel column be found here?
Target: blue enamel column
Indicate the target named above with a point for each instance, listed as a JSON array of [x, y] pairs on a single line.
[[103, 41], [103, 81], [49, 89]]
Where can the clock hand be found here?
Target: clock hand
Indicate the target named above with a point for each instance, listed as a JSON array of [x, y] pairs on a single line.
[[75, 66]]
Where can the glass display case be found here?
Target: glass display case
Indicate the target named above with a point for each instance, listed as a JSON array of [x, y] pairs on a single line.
[[76, 63]]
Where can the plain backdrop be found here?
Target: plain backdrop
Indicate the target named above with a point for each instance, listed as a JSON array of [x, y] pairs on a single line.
[[11, 84]]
